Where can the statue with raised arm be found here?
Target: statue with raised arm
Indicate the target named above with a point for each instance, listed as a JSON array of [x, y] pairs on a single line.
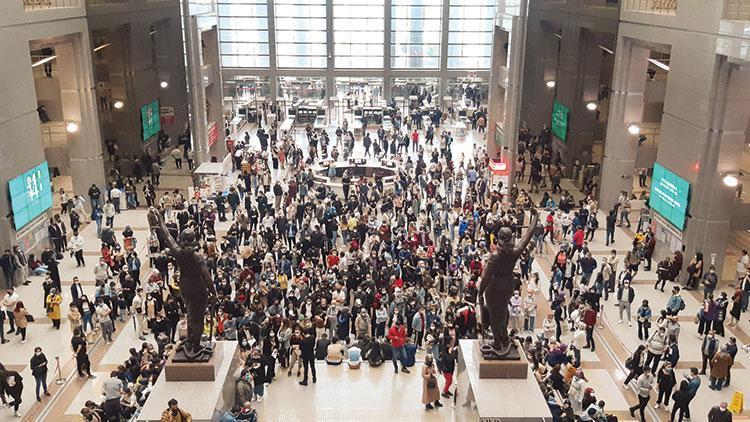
[[196, 287], [496, 289]]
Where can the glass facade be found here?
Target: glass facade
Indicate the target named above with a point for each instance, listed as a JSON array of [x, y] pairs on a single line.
[[358, 27], [416, 28], [470, 31], [243, 33], [301, 33]]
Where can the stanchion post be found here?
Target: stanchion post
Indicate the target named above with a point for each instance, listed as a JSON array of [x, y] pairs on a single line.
[[60, 380]]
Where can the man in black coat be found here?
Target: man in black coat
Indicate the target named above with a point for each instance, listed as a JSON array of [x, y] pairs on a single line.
[[307, 349]]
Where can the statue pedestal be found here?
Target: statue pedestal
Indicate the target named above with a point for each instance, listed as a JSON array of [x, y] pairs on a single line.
[[204, 400], [502, 369], [507, 400], [174, 370]]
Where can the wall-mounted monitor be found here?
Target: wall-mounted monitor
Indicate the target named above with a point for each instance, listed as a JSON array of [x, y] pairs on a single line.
[[30, 194], [670, 195], [560, 120], [150, 119]]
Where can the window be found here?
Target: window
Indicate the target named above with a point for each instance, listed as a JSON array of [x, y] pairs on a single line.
[[415, 33], [470, 32], [358, 33], [301, 33], [243, 33]]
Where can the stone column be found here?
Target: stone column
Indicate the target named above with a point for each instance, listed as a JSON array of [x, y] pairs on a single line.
[[577, 84], [79, 105], [626, 108]]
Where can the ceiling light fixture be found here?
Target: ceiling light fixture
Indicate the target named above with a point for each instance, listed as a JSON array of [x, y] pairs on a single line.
[[634, 129], [591, 106], [118, 104], [731, 181], [659, 64], [164, 84], [44, 60], [102, 47], [605, 49], [71, 127], [550, 84]]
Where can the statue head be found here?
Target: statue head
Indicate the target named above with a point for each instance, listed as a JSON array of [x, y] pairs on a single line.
[[504, 240], [187, 238]]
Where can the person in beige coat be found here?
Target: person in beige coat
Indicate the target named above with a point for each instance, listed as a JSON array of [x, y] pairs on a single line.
[[74, 317], [430, 390], [363, 325], [720, 364]]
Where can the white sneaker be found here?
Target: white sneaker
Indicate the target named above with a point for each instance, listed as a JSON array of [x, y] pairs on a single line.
[[260, 399], [627, 387], [23, 341], [619, 321], [630, 324], [656, 406]]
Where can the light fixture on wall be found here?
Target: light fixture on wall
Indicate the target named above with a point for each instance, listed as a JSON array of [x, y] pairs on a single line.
[[118, 105], [591, 106], [550, 84], [634, 129], [71, 127], [731, 180], [164, 84]]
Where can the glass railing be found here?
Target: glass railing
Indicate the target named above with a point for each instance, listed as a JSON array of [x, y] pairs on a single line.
[[658, 7], [737, 10], [30, 5]]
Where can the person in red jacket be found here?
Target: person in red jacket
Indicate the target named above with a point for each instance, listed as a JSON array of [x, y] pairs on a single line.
[[589, 318], [397, 337], [578, 237]]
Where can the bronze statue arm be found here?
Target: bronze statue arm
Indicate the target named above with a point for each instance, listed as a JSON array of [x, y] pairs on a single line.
[[156, 222], [206, 278], [521, 245]]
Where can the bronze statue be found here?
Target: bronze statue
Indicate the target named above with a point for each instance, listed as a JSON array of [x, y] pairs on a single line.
[[496, 289], [196, 287]]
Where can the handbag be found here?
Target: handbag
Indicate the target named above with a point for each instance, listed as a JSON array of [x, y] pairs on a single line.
[[29, 318], [432, 382]]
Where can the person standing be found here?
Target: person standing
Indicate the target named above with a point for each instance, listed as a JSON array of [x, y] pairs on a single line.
[[743, 261], [720, 364], [39, 371], [9, 267], [720, 413], [643, 388], [112, 391], [397, 337], [76, 247], [665, 381], [52, 302], [177, 156], [79, 346], [709, 347], [12, 383], [694, 383], [430, 390], [611, 221], [9, 305], [625, 297], [20, 314], [307, 352]]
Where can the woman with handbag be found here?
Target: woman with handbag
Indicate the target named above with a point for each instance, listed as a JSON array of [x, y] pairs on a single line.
[[430, 390], [52, 302], [22, 318]]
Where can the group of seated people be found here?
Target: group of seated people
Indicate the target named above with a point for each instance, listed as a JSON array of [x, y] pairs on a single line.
[[137, 374], [374, 351]]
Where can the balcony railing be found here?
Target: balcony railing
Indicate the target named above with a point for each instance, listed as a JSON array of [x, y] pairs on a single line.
[[30, 5], [602, 3], [737, 10], [658, 7]]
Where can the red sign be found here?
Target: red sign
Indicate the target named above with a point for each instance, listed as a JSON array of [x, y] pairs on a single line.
[[213, 134], [167, 115], [498, 167]]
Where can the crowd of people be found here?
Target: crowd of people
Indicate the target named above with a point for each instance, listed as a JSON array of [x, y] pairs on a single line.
[[306, 273]]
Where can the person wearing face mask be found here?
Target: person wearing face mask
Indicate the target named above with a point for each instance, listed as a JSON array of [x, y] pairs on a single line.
[[38, 364], [656, 345], [515, 311], [173, 413], [708, 349], [710, 280], [52, 302], [625, 297], [665, 381], [720, 364]]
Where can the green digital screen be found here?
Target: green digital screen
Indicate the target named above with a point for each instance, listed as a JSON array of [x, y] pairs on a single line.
[[670, 195], [560, 117], [150, 119], [30, 194]]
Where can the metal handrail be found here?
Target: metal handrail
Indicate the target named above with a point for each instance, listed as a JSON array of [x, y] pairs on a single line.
[[32, 5]]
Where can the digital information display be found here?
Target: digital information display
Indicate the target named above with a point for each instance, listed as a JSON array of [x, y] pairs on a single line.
[[560, 115], [670, 195], [30, 194], [150, 119]]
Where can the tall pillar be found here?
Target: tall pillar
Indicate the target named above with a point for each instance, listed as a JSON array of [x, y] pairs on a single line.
[[542, 49], [198, 123], [716, 149], [578, 83], [626, 108], [79, 105], [498, 83]]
